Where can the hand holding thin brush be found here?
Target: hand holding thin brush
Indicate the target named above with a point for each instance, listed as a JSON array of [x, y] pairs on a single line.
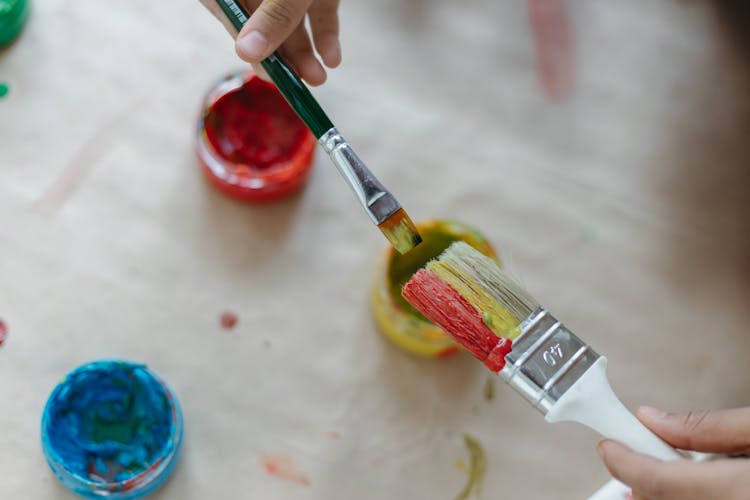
[[280, 24], [722, 431]]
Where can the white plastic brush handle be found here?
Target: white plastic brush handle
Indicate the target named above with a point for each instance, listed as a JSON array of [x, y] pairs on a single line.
[[591, 402]]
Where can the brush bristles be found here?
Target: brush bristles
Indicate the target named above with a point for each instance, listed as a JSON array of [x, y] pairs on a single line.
[[475, 266], [445, 307], [400, 231], [473, 300]]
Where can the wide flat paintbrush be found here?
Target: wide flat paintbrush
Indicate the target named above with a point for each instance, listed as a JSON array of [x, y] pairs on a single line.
[[488, 313], [378, 202]]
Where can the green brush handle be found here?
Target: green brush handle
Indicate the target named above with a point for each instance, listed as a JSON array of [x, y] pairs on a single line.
[[289, 84]]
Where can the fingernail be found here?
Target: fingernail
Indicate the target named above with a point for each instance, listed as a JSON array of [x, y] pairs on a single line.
[[253, 45], [652, 413], [332, 56]]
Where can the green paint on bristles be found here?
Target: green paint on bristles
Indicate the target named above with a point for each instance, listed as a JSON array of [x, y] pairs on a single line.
[[477, 469]]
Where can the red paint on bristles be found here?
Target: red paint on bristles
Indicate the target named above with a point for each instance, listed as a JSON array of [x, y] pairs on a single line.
[[444, 306]]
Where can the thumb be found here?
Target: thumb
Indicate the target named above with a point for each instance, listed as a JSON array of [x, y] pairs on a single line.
[[720, 431], [268, 27]]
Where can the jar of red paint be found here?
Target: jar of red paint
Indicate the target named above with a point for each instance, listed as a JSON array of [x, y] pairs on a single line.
[[250, 143]]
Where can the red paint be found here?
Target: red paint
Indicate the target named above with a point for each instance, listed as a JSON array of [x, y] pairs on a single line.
[[252, 146], [3, 332], [228, 320], [555, 51], [333, 434], [445, 307], [283, 466], [447, 352]]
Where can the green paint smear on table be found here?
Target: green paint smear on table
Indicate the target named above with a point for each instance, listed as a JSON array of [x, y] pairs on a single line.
[[589, 234], [477, 469], [4, 89], [489, 389]]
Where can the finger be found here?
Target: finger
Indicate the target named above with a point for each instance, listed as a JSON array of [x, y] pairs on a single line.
[[675, 480], [299, 53], [720, 431], [269, 25], [324, 24], [260, 72]]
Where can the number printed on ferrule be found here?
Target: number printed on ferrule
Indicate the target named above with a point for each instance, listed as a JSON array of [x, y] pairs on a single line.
[[553, 354]]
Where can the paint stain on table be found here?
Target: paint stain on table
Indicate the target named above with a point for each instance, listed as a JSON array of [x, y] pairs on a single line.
[[283, 466], [3, 332], [475, 471], [489, 389], [4, 89], [589, 234], [228, 320]]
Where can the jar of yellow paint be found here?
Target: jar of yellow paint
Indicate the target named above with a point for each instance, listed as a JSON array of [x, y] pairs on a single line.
[[396, 319]]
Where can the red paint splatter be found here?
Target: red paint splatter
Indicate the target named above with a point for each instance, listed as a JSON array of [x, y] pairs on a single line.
[[3, 332], [333, 434], [555, 51], [283, 466], [228, 320], [445, 307]]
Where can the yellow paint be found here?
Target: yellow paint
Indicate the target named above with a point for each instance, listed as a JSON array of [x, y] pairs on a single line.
[[498, 319], [398, 321], [400, 231]]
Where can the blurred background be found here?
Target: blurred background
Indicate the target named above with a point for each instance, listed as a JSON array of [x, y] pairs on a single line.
[[605, 157]]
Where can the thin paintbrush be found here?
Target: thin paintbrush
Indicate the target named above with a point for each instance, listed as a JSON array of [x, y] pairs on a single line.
[[378, 202], [484, 310]]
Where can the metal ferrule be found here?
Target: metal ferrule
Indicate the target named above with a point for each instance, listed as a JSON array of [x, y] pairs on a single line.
[[377, 201], [546, 360]]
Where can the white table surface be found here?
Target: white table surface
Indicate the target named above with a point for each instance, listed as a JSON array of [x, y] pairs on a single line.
[[623, 209]]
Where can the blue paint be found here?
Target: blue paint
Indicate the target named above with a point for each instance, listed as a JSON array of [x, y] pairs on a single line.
[[112, 429]]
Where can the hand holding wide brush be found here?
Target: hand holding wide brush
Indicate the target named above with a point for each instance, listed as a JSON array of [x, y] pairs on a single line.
[[722, 431], [501, 324], [280, 24]]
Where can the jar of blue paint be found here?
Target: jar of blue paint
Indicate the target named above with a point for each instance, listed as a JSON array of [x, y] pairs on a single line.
[[112, 429]]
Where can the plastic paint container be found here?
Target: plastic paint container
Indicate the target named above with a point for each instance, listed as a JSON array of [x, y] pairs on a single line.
[[112, 429], [13, 16], [398, 320], [251, 144]]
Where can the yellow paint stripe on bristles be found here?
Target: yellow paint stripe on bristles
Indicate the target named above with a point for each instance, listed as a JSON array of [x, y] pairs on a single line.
[[495, 316]]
